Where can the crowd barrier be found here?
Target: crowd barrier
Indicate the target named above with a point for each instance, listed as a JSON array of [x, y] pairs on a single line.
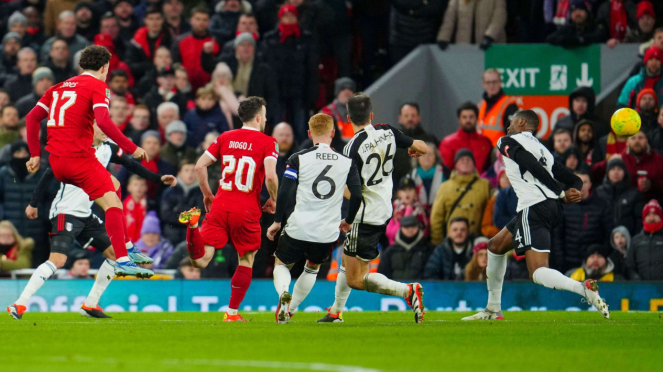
[[213, 295]]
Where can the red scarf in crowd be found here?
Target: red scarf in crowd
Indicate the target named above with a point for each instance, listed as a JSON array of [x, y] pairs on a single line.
[[652, 227], [561, 12], [141, 39], [612, 146], [618, 20], [289, 30]]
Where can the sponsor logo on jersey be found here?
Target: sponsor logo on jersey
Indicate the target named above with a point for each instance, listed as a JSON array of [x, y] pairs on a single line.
[[276, 148], [69, 84], [108, 93]]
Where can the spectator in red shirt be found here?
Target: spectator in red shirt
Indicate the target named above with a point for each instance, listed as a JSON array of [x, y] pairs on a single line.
[[146, 40], [135, 206], [188, 48], [106, 40], [466, 138]]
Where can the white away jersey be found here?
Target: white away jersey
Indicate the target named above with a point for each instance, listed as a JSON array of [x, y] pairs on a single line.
[[528, 189], [73, 200], [321, 175], [373, 149]]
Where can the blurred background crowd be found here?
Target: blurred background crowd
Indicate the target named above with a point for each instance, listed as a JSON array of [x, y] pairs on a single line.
[[180, 69]]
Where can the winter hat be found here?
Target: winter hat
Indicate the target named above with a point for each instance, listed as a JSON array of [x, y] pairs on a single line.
[[406, 183], [151, 224], [17, 17], [652, 206], [644, 91], [595, 248], [40, 73], [18, 146], [615, 162], [118, 2], [579, 4], [105, 40], [479, 244], [84, 4], [165, 71], [410, 221], [244, 37], [464, 152], [175, 126], [11, 35], [287, 8], [499, 175], [150, 133], [645, 8], [653, 52], [344, 83]]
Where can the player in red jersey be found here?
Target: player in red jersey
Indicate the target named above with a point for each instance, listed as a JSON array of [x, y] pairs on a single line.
[[247, 157], [72, 107]]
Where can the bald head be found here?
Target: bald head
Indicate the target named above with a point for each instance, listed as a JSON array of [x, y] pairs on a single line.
[[284, 136]]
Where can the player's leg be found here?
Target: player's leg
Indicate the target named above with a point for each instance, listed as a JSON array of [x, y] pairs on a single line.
[[60, 246], [239, 284], [282, 279], [134, 254], [304, 285], [90, 307], [201, 253], [540, 273]]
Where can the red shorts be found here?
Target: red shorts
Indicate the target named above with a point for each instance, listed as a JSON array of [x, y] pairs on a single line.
[[85, 172], [220, 226]]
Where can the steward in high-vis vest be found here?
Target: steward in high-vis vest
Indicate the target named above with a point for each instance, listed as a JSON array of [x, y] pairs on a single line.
[[496, 108], [343, 88]]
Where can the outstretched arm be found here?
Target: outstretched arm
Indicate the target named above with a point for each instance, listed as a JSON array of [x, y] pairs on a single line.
[[138, 169], [570, 180], [106, 125]]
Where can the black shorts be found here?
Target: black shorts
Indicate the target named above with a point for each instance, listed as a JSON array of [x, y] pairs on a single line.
[[532, 227], [87, 231], [362, 241], [291, 250]]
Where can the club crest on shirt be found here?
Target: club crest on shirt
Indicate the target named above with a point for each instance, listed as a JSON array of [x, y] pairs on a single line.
[[69, 226]]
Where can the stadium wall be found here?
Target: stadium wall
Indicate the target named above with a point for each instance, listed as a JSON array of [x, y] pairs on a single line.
[[212, 295], [441, 80]]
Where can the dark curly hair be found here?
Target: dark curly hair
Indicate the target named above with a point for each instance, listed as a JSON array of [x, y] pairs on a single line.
[[250, 108], [94, 57]]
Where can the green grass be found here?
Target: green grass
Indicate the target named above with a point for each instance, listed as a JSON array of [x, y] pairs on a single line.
[[370, 341]]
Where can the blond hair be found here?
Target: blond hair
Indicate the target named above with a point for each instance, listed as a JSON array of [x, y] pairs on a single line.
[[20, 240], [321, 124]]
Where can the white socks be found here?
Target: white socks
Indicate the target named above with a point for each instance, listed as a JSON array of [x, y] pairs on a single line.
[[303, 287], [495, 280], [282, 279], [38, 278], [375, 282], [341, 293], [104, 277], [550, 278]]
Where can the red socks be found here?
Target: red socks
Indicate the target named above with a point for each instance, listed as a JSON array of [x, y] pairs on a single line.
[[239, 285], [195, 244], [115, 229], [126, 235]]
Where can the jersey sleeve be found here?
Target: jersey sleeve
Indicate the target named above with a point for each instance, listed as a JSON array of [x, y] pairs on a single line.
[[292, 168], [100, 95], [402, 141], [508, 146], [271, 149], [214, 150], [46, 100]]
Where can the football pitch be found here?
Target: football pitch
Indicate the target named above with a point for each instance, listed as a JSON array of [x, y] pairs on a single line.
[[366, 342]]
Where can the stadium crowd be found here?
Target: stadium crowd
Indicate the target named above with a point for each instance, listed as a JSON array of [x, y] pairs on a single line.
[[180, 69]]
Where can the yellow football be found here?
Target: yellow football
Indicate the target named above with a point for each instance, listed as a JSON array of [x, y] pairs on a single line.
[[625, 122]]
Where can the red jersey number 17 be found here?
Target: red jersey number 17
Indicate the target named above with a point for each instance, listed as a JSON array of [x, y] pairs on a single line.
[[232, 165], [70, 97]]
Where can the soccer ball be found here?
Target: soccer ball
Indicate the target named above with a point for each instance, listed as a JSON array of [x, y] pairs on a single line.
[[625, 122]]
